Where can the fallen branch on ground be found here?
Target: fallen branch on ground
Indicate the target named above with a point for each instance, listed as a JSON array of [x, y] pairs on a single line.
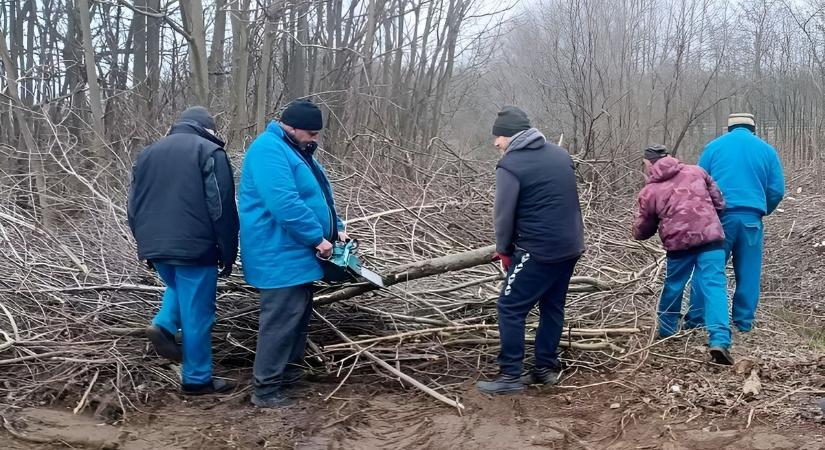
[[393, 370]]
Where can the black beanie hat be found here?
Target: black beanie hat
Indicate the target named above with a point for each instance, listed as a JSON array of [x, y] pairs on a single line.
[[198, 115], [510, 120], [303, 115], [656, 152]]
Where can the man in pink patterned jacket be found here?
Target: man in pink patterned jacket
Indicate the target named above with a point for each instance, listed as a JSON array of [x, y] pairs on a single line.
[[682, 201]]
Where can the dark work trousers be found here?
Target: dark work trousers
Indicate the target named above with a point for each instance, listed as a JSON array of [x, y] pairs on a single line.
[[282, 336], [530, 282]]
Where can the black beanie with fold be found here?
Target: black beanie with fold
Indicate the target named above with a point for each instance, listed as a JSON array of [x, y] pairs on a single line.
[[511, 120], [303, 115]]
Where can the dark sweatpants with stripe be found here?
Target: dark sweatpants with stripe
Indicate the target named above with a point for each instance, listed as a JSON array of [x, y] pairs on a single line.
[[530, 282]]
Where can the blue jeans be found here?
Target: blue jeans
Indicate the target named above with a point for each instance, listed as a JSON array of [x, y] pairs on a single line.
[[708, 269], [744, 236], [189, 304], [528, 283]]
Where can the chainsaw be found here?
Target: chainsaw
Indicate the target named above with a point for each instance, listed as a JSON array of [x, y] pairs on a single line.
[[344, 265]]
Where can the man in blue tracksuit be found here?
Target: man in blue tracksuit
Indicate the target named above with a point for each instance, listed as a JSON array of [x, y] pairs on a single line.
[[182, 213], [287, 216], [539, 239], [749, 174]]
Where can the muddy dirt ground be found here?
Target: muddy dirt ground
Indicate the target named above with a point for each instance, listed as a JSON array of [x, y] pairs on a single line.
[[625, 410]]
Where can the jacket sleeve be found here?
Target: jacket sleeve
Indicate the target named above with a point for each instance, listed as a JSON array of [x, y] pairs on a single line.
[[776, 183], [275, 181], [647, 220], [715, 194], [220, 195], [504, 211]]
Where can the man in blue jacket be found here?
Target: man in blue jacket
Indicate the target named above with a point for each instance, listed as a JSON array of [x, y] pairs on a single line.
[[749, 174], [182, 213], [539, 239], [288, 219]]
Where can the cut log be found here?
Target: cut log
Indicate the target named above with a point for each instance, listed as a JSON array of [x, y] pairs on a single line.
[[443, 264], [414, 271]]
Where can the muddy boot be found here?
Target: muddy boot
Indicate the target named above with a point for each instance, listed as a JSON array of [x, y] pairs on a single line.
[[504, 384], [544, 376], [215, 386], [279, 400], [721, 356], [164, 343]]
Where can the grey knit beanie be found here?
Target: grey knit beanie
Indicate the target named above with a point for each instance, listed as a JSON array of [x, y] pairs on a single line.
[[198, 115]]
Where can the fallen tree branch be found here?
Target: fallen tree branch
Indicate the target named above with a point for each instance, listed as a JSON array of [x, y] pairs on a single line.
[[577, 332], [77, 262], [393, 370], [587, 346], [435, 266]]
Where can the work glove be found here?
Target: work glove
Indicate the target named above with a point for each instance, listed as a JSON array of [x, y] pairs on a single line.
[[225, 270], [506, 260]]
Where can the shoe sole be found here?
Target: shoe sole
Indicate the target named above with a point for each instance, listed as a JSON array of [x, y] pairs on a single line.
[[720, 358], [507, 392], [163, 347], [222, 390]]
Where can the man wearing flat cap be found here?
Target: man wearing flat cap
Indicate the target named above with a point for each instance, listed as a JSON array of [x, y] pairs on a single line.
[[181, 211], [749, 174], [287, 216], [539, 239]]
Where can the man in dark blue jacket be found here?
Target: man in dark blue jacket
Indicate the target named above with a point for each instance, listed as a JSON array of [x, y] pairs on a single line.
[[539, 239], [182, 213]]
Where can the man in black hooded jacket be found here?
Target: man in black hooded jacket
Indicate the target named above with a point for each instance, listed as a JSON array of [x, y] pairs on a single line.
[[182, 213], [539, 239]]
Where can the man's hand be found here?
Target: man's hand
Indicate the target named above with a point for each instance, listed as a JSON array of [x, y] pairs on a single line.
[[343, 236], [324, 249], [506, 261], [225, 270]]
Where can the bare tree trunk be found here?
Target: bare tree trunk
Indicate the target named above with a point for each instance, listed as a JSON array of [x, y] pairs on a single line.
[[192, 12], [38, 192], [74, 73], [216, 57], [240, 74], [139, 74], [153, 59], [297, 66], [271, 18], [95, 102]]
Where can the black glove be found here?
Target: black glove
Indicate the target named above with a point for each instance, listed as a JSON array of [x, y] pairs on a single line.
[[225, 271]]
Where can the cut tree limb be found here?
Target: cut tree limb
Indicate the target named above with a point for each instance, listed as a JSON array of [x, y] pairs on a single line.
[[435, 266]]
